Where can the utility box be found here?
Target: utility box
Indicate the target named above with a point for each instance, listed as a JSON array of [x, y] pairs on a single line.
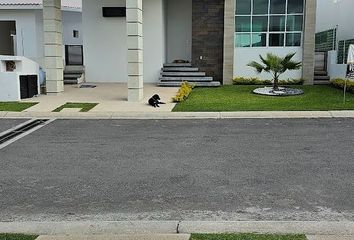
[[18, 78]]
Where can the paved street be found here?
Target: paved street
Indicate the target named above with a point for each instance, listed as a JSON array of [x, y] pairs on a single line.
[[260, 169]]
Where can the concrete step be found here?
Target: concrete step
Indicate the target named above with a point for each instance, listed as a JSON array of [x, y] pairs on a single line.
[[319, 82], [71, 81], [321, 78], [74, 69], [118, 237], [321, 73], [183, 74], [197, 84], [72, 75], [177, 65], [189, 79], [180, 69]]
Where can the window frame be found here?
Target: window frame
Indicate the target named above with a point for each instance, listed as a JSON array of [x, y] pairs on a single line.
[[268, 32]]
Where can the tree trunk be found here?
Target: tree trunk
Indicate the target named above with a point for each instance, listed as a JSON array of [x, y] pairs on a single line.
[[275, 83]]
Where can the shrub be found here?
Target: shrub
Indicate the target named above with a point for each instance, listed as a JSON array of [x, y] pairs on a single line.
[[339, 83], [257, 81], [183, 92]]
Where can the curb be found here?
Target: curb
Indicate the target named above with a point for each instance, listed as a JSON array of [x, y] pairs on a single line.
[[183, 227], [182, 115]]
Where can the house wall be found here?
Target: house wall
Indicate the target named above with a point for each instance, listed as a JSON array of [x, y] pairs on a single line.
[[245, 55], [72, 20], [154, 27], [179, 29], [334, 12], [29, 31], [6, 43], [208, 37], [28, 40], [105, 41]]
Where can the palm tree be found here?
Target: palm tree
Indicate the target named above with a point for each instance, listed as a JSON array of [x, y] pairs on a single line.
[[275, 65]]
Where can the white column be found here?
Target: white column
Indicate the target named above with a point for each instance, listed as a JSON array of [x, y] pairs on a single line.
[[135, 50], [53, 46], [229, 41]]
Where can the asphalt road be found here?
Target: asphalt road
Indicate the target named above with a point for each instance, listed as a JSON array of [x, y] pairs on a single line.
[[260, 169], [6, 124]]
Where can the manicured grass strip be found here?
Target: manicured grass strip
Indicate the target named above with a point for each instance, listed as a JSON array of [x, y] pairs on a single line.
[[85, 107], [241, 98], [17, 237], [15, 106], [246, 237]]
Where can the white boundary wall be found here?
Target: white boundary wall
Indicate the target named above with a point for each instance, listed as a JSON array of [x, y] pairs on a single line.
[[243, 56]]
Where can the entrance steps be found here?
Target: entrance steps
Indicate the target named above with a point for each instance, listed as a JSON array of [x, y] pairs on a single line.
[[174, 74], [321, 78], [74, 74]]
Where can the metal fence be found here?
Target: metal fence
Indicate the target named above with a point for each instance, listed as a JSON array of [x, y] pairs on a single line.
[[326, 40]]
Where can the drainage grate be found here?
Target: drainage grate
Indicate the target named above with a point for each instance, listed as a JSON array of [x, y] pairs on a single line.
[[21, 129]]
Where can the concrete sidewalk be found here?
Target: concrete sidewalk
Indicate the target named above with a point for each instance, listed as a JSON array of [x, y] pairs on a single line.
[[180, 115], [320, 230], [163, 237]]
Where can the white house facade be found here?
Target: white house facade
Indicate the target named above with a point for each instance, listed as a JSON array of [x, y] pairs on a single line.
[[131, 40]]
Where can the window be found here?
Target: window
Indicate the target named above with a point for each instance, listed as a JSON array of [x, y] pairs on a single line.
[[260, 7], [243, 40], [269, 23], [260, 24], [243, 7], [277, 23], [259, 40], [293, 39], [295, 6], [276, 39], [277, 6], [75, 33], [243, 24]]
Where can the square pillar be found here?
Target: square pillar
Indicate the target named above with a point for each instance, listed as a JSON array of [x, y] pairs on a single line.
[[229, 41], [308, 62], [53, 41], [135, 50]]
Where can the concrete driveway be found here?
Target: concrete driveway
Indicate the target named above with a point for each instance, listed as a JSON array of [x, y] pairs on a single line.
[[260, 169]]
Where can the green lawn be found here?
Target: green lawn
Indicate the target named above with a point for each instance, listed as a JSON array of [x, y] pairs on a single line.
[[15, 106], [241, 98], [85, 107], [246, 237], [17, 237]]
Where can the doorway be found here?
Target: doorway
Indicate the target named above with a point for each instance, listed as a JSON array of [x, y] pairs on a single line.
[[7, 38]]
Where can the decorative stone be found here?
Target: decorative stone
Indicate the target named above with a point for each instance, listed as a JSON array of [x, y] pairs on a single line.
[[282, 91]]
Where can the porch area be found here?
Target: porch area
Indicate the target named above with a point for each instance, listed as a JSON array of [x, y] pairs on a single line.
[[110, 97]]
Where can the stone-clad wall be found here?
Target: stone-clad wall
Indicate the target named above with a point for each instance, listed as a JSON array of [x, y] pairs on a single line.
[[208, 37]]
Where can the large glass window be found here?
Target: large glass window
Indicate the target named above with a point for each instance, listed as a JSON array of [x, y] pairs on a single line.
[[260, 7], [295, 6], [243, 24], [276, 39], [277, 6], [243, 40], [277, 24], [243, 7], [293, 39], [259, 39], [294, 23], [260, 24], [269, 23]]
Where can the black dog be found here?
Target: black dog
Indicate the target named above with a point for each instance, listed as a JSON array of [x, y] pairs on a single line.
[[155, 101]]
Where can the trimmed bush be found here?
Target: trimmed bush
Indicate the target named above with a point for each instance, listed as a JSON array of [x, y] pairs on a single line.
[[339, 83], [183, 92], [257, 81]]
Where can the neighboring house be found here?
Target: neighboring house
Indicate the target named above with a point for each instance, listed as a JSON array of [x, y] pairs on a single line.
[[21, 27], [130, 40], [334, 34]]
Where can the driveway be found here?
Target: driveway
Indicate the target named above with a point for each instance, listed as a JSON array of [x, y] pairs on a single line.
[[249, 169]]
